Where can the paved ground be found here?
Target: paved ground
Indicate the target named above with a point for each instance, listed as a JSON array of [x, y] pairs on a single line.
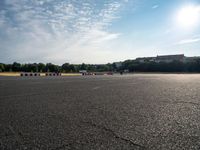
[[100, 112]]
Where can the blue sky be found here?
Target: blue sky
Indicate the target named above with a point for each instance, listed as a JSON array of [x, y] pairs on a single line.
[[97, 31]]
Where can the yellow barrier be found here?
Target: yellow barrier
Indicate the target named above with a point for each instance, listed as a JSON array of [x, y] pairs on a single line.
[[15, 74], [71, 74], [11, 74]]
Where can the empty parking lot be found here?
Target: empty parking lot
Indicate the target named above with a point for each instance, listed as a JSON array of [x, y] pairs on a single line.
[[154, 111]]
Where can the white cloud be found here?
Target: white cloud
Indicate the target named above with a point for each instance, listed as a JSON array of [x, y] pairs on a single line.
[[59, 31], [189, 41], [155, 6]]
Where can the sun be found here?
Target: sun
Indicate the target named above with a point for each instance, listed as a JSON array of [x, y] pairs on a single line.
[[188, 16]]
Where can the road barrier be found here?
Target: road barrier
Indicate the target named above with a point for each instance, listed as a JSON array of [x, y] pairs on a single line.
[[53, 74], [38, 74], [87, 74], [29, 74], [59, 74], [97, 73]]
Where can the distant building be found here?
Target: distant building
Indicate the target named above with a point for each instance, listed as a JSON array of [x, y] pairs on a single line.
[[146, 59], [191, 59], [170, 58], [118, 64], [163, 58]]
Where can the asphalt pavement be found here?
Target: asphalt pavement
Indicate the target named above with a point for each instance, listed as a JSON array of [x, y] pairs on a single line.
[[129, 112]]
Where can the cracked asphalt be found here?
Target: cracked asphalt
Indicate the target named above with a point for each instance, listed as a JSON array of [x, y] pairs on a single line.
[[129, 112]]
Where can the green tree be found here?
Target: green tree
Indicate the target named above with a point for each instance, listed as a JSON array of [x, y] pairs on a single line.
[[16, 66], [65, 67], [83, 66], [2, 67], [41, 67]]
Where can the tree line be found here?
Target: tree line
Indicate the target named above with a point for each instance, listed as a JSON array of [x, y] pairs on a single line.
[[49, 67], [128, 65], [149, 66]]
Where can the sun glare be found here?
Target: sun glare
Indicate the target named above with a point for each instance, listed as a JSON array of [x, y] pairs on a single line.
[[188, 16]]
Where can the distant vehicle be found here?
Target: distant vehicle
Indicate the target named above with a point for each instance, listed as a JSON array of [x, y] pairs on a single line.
[[83, 72], [126, 71], [110, 73]]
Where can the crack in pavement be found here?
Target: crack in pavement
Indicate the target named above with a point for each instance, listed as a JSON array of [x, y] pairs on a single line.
[[32, 94], [18, 137], [114, 134], [62, 146], [1, 144], [181, 102], [96, 88]]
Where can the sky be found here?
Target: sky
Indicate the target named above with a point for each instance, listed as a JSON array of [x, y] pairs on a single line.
[[97, 31]]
